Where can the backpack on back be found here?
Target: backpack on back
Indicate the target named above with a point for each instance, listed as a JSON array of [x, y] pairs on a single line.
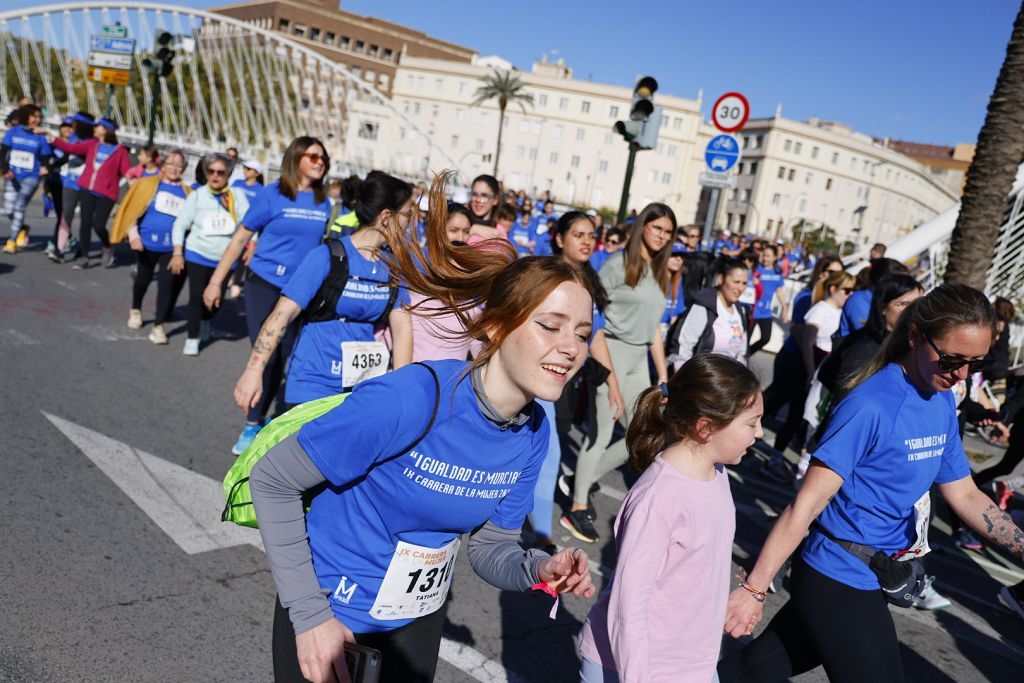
[[323, 306], [238, 507]]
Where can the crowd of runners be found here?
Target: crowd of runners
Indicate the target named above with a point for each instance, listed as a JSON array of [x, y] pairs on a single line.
[[477, 334]]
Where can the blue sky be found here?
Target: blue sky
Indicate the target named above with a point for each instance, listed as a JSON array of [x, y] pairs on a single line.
[[911, 69]]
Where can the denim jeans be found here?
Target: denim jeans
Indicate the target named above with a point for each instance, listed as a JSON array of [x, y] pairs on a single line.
[[17, 194]]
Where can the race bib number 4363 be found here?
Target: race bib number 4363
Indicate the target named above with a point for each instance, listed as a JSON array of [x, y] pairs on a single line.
[[362, 361], [417, 581]]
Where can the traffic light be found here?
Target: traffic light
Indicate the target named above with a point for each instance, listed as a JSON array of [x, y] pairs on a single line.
[[644, 117], [163, 64]]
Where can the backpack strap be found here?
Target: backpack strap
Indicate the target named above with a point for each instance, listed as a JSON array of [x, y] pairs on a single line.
[[322, 306], [863, 553], [392, 298], [433, 417]]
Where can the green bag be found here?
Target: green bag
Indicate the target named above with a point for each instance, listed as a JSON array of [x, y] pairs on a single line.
[[238, 507]]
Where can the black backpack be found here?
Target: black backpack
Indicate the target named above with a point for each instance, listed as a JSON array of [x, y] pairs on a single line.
[[322, 307]]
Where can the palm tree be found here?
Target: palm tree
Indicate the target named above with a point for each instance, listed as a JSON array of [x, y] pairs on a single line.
[[989, 179], [506, 88]]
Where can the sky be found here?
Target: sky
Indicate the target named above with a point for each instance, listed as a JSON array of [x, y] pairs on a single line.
[[919, 70]]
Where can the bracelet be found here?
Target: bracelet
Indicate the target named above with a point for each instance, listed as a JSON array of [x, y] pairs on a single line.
[[760, 596]]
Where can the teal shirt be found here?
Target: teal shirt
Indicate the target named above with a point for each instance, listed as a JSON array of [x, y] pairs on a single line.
[[208, 224], [633, 313]]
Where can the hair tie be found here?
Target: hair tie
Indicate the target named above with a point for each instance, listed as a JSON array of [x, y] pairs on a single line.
[[664, 389]]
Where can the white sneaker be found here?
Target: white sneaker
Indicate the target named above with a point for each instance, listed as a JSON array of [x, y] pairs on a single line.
[[135, 319], [930, 598], [191, 347], [157, 335]]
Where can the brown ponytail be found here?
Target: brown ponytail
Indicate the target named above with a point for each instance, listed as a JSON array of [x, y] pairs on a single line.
[[708, 386]]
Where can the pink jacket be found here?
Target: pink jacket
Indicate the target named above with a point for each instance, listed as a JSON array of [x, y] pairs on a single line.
[[104, 180]]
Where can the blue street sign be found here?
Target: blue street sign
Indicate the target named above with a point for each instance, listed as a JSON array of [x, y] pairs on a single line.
[[124, 46], [722, 153]]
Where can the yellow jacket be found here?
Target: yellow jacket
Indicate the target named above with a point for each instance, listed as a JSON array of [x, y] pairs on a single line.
[[135, 203]]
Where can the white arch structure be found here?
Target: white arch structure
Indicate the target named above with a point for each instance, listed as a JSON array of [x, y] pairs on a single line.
[[234, 83]]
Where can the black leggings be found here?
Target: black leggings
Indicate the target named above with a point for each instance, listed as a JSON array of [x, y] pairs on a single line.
[[55, 188], [788, 388], [408, 654], [764, 326], [198, 277], [168, 286], [260, 299], [848, 631], [95, 212]]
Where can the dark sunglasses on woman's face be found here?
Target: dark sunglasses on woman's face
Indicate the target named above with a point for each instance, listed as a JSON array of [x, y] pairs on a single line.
[[847, 290], [315, 158], [216, 172], [948, 363], [613, 243]]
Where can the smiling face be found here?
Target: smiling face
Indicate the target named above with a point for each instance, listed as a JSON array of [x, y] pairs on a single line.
[[728, 446], [540, 356], [482, 200], [968, 343], [313, 162], [217, 175], [733, 285], [577, 244], [172, 168]]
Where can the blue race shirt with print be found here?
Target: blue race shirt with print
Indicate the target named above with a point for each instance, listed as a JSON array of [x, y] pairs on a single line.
[[26, 150], [770, 280], [855, 312], [289, 229], [155, 226], [466, 471], [889, 442], [315, 368]]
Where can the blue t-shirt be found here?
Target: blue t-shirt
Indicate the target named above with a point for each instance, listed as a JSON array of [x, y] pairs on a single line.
[[289, 229], [26, 150], [542, 236], [521, 233], [771, 280], [155, 225], [316, 367], [466, 471], [801, 304], [598, 258], [72, 170], [855, 312], [674, 309], [724, 244], [250, 190], [889, 442], [599, 322]]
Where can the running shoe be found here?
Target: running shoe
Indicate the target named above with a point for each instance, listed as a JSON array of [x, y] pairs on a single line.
[[191, 347], [1010, 601], [966, 539], [580, 526], [22, 240], [135, 319], [51, 250], [10, 247], [157, 335], [108, 258], [565, 484], [779, 470], [249, 433], [81, 263], [1004, 494], [930, 599]]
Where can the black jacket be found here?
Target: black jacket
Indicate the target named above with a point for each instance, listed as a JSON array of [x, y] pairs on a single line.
[[707, 299]]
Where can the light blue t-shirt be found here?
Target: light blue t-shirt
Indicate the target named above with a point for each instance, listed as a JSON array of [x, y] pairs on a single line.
[[855, 312], [250, 190], [316, 367], [26, 150], [155, 225], [770, 280], [542, 237], [522, 233], [466, 471], [889, 442], [289, 229]]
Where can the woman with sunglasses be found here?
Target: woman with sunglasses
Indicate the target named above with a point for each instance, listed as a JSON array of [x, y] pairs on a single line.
[[146, 216], [822, 320], [290, 216], [332, 356], [209, 217], [889, 441], [636, 280]]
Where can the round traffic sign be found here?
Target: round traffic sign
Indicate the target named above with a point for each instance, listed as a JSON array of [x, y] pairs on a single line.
[[730, 112]]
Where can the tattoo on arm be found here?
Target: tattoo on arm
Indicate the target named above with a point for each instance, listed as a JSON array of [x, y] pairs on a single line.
[[1000, 528], [270, 335]]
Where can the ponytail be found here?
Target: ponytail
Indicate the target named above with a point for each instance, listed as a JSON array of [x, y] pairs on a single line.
[[649, 432]]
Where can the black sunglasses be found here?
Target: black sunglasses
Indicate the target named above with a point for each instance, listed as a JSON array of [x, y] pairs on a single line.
[[948, 363]]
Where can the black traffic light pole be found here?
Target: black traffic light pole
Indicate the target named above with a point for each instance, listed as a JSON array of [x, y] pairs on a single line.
[[623, 203], [153, 103], [160, 66]]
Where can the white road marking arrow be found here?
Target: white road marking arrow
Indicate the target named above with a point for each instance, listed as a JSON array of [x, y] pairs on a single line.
[[185, 504]]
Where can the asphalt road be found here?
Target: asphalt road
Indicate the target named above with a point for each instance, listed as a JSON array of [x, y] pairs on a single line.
[[94, 589]]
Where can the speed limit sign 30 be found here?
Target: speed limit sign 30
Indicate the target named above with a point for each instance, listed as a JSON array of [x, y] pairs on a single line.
[[731, 112]]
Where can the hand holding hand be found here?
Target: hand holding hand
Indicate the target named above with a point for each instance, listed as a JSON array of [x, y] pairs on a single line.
[[568, 571], [742, 613]]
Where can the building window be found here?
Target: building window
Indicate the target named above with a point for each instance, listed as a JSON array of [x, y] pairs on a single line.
[[524, 126], [808, 178], [357, 72], [563, 103], [739, 168], [532, 154], [672, 149], [652, 177], [666, 178], [602, 167], [434, 110], [613, 112], [536, 128], [542, 100], [814, 152], [462, 87], [460, 114], [299, 30], [835, 157], [677, 124], [438, 83], [368, 130], [797, 147], [479, 145], [553, 158], [345, 41], [374, 50], [369, 75], [664, 122], [828, 183], [584, 107], [853, 163], [803, 204], [382, 80], [787, 146], [608, 138], [792, 175], [484, 118], [581, 134], [314, 33], [455, 141], [556, 132], [360, 45], [387, 54], [520, 152], [753, 167], [782, 172], [776, 199], [282, 25], [329, 37], [575, 161]]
